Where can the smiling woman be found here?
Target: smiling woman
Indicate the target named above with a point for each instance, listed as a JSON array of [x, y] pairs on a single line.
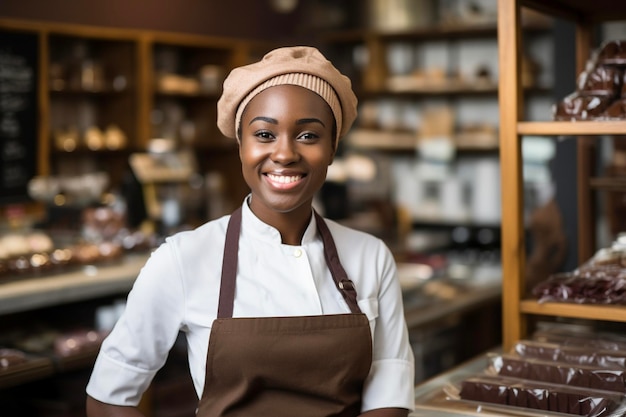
[[285, 313], [285, 155]]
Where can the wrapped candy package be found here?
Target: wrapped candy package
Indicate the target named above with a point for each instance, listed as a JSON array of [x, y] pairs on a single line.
[[601, 280], [600, 88]]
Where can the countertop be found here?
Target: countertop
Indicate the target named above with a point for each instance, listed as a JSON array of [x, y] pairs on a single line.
[[23, 294]]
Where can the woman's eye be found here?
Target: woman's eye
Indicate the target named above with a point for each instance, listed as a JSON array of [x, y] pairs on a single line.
[[308, 137], [264, 135]]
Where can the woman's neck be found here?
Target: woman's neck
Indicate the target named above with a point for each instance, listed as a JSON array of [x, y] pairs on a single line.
[[291, 225]]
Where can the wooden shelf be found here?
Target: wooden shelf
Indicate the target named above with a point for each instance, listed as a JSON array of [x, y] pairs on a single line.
[[183, 95], [608, 183], [400, 141], [572, 310], [74, 92], [578, 128]]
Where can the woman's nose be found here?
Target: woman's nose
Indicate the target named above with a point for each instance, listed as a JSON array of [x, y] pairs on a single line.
[[284, 150]]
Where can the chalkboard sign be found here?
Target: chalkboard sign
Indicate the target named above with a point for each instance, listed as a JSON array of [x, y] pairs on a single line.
[[19, 113]]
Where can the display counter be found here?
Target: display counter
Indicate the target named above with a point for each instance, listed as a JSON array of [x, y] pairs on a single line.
[[23, 294], [431, 309]]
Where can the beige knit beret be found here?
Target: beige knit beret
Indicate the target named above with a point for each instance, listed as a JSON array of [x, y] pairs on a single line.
[[299, 65]]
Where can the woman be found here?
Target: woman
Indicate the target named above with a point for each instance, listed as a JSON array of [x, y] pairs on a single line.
[[285, 313]]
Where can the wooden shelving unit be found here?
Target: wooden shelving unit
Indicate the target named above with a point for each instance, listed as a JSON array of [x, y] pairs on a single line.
[[368, 56], [585, 15], [98, 77]]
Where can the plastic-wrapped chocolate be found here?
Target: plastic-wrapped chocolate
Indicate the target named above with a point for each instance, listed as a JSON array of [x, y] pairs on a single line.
[[612, 52], [601, 80], [506, 365], [539, 350], [616, 110], [481, 389], [611, 359], [593, 285], [577, 106], [540, 396], [583, 376], [601, 341], [517, 397]]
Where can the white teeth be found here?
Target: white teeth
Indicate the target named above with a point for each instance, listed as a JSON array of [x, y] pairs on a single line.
[[284, 179]]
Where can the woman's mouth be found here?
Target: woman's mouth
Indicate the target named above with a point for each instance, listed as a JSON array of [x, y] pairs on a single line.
[[283, 181]]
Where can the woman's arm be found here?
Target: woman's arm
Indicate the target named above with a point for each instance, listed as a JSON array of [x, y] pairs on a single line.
[[385, 412], [96, 408], [390, 385]]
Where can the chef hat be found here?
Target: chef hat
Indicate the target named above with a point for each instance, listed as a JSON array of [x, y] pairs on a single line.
[[300, 65]]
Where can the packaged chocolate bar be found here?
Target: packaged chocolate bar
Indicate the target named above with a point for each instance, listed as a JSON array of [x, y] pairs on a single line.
[[601, 341], [601, 80], [506, 392], [589, 285], [576, 355], [598, 87], [612, 52], [580, 106], [584, 376]]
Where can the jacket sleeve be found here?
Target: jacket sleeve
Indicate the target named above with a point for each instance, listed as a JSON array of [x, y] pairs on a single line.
[[139, 344]]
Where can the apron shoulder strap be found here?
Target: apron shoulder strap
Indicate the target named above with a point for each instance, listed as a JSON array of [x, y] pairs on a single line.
[[344, 284], [229, 266]]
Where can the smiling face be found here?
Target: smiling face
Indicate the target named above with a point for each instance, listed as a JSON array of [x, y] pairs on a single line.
[[285, 148]]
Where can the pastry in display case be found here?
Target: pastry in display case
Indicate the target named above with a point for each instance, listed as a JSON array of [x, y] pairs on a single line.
[[83, 225]]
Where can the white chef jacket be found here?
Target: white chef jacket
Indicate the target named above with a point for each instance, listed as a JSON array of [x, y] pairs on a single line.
[[178, 290]]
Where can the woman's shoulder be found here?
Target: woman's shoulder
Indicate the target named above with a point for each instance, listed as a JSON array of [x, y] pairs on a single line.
[[209, 234], [348, 235]]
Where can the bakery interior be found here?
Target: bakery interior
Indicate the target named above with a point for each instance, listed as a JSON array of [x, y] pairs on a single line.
[[489, 154]]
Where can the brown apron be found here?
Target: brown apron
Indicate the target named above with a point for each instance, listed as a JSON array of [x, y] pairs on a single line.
[[285, 366]]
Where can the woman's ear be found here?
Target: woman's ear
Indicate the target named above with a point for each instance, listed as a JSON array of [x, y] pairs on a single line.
[[333, 152]]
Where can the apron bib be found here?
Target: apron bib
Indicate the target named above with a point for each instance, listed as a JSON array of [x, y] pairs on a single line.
[[305, 366]]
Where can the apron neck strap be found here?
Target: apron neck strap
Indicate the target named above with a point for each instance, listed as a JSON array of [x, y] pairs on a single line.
[[344, 284], [229, 266]]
